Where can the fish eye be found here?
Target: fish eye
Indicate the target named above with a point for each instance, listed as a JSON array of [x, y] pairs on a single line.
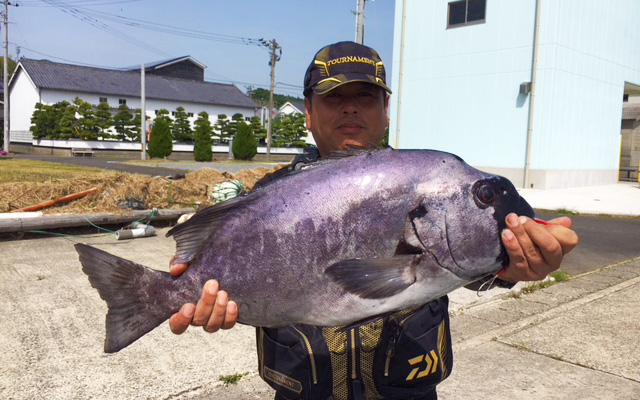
[[486, 195]]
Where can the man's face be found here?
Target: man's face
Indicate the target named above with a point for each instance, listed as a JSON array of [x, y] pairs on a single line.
[[354, 113]]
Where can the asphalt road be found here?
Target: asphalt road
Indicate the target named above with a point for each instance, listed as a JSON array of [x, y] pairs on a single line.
[[603, 240]]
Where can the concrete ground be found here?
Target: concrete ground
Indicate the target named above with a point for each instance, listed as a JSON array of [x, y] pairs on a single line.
[[573, 340]]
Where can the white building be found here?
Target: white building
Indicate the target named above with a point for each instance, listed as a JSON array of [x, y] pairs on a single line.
[[530, 89], [168, 84]]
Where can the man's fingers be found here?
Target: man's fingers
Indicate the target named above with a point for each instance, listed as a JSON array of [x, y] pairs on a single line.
[[177, 269], [231, 317], [547, 246], [530, 251], [564, 221], [206, 303], [567, 238], [518, 268], [217, 318], [179, 322]]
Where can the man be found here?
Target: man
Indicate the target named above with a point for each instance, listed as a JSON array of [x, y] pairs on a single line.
[[346, 99]]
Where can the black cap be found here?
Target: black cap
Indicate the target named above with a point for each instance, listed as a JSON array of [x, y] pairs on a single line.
[[344, 62]]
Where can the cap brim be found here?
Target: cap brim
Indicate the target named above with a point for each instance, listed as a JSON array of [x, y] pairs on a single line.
[[329, 84]]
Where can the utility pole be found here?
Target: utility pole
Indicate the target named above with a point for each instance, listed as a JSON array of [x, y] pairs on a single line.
[[360, 21], [6, 75], [273, 46], [143, 115]]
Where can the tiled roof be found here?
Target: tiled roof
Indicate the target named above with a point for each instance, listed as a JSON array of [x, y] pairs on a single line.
[[51, 75]]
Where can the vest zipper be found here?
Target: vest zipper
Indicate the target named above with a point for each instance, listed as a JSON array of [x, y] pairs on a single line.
[[357, 391], [391, 347], [312, 358]]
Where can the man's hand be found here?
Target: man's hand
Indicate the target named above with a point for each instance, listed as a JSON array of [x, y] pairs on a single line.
[[214, 310], [535, 250]]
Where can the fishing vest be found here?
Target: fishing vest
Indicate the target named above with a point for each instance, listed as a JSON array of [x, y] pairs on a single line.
[[400, 356], [403, 355]]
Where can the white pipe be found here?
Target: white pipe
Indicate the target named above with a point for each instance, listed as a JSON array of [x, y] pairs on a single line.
[[534, 68], [398, 94]]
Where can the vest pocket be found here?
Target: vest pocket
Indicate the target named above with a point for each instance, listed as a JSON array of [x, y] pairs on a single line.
[[415, 353], [290, 365]]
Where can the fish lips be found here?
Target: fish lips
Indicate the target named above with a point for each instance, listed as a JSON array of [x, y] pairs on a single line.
[[499, 193]]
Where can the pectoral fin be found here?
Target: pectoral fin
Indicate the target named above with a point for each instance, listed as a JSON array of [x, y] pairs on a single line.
[[375, 278]]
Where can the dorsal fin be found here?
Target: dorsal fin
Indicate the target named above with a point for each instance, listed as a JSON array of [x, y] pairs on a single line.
[[191, 235]]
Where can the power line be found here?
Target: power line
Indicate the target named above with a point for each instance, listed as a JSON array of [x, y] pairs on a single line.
[[38, 3], [78, 14], [142, 24]]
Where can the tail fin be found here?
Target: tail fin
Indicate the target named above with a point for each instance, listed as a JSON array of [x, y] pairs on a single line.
[[135, 295]]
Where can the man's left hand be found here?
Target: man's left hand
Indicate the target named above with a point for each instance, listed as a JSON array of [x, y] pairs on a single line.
[[535, 250]]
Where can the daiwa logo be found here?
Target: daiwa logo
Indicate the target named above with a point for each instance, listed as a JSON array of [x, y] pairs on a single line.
[[427, 361]]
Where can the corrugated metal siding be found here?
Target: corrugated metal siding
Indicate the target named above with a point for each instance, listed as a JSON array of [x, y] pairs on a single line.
[[460, 89], [460, 86]]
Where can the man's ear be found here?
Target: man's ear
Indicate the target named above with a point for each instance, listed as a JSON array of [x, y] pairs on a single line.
[[307, 112]]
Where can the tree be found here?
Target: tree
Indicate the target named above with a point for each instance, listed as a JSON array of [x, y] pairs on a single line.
[[221, 128], [245, 145], [289, 130], [103, 119], [87, 125], [137, 125], [261, 96], [12, 66], [203, 142], [160, 144], [232, 128], [123, 123], [42, 123], [259, 131], [182, 131], [68, 123]]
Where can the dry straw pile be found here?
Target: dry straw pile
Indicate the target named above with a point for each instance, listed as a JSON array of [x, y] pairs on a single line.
[[121, 192]]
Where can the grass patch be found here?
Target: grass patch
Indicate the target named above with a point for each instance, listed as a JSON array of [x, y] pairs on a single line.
[[232, 379], [21, 170], [554, 277], [560, 276], [564, 211]]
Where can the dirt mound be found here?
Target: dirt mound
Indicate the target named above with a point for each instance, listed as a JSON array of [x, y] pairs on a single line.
[[121, 191]]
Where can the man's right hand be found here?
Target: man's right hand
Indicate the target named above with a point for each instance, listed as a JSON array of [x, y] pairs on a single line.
[[214, 310]]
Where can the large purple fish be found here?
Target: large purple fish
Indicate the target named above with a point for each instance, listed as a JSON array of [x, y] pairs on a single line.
[[330, 245]]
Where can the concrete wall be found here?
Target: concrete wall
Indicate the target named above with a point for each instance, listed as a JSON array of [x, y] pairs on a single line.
[[458, 89]]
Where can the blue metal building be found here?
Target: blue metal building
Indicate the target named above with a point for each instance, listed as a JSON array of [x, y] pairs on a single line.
[[530, 89]]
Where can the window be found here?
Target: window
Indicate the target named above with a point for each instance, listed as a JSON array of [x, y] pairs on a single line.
[[625, 97], [190, 114], [122, 101], [466, 12], [103, 99]]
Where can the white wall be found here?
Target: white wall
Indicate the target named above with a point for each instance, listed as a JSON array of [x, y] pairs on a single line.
[[23, 98], [457, 89]]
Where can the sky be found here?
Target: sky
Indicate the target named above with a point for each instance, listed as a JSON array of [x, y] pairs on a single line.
[[223, 35]]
